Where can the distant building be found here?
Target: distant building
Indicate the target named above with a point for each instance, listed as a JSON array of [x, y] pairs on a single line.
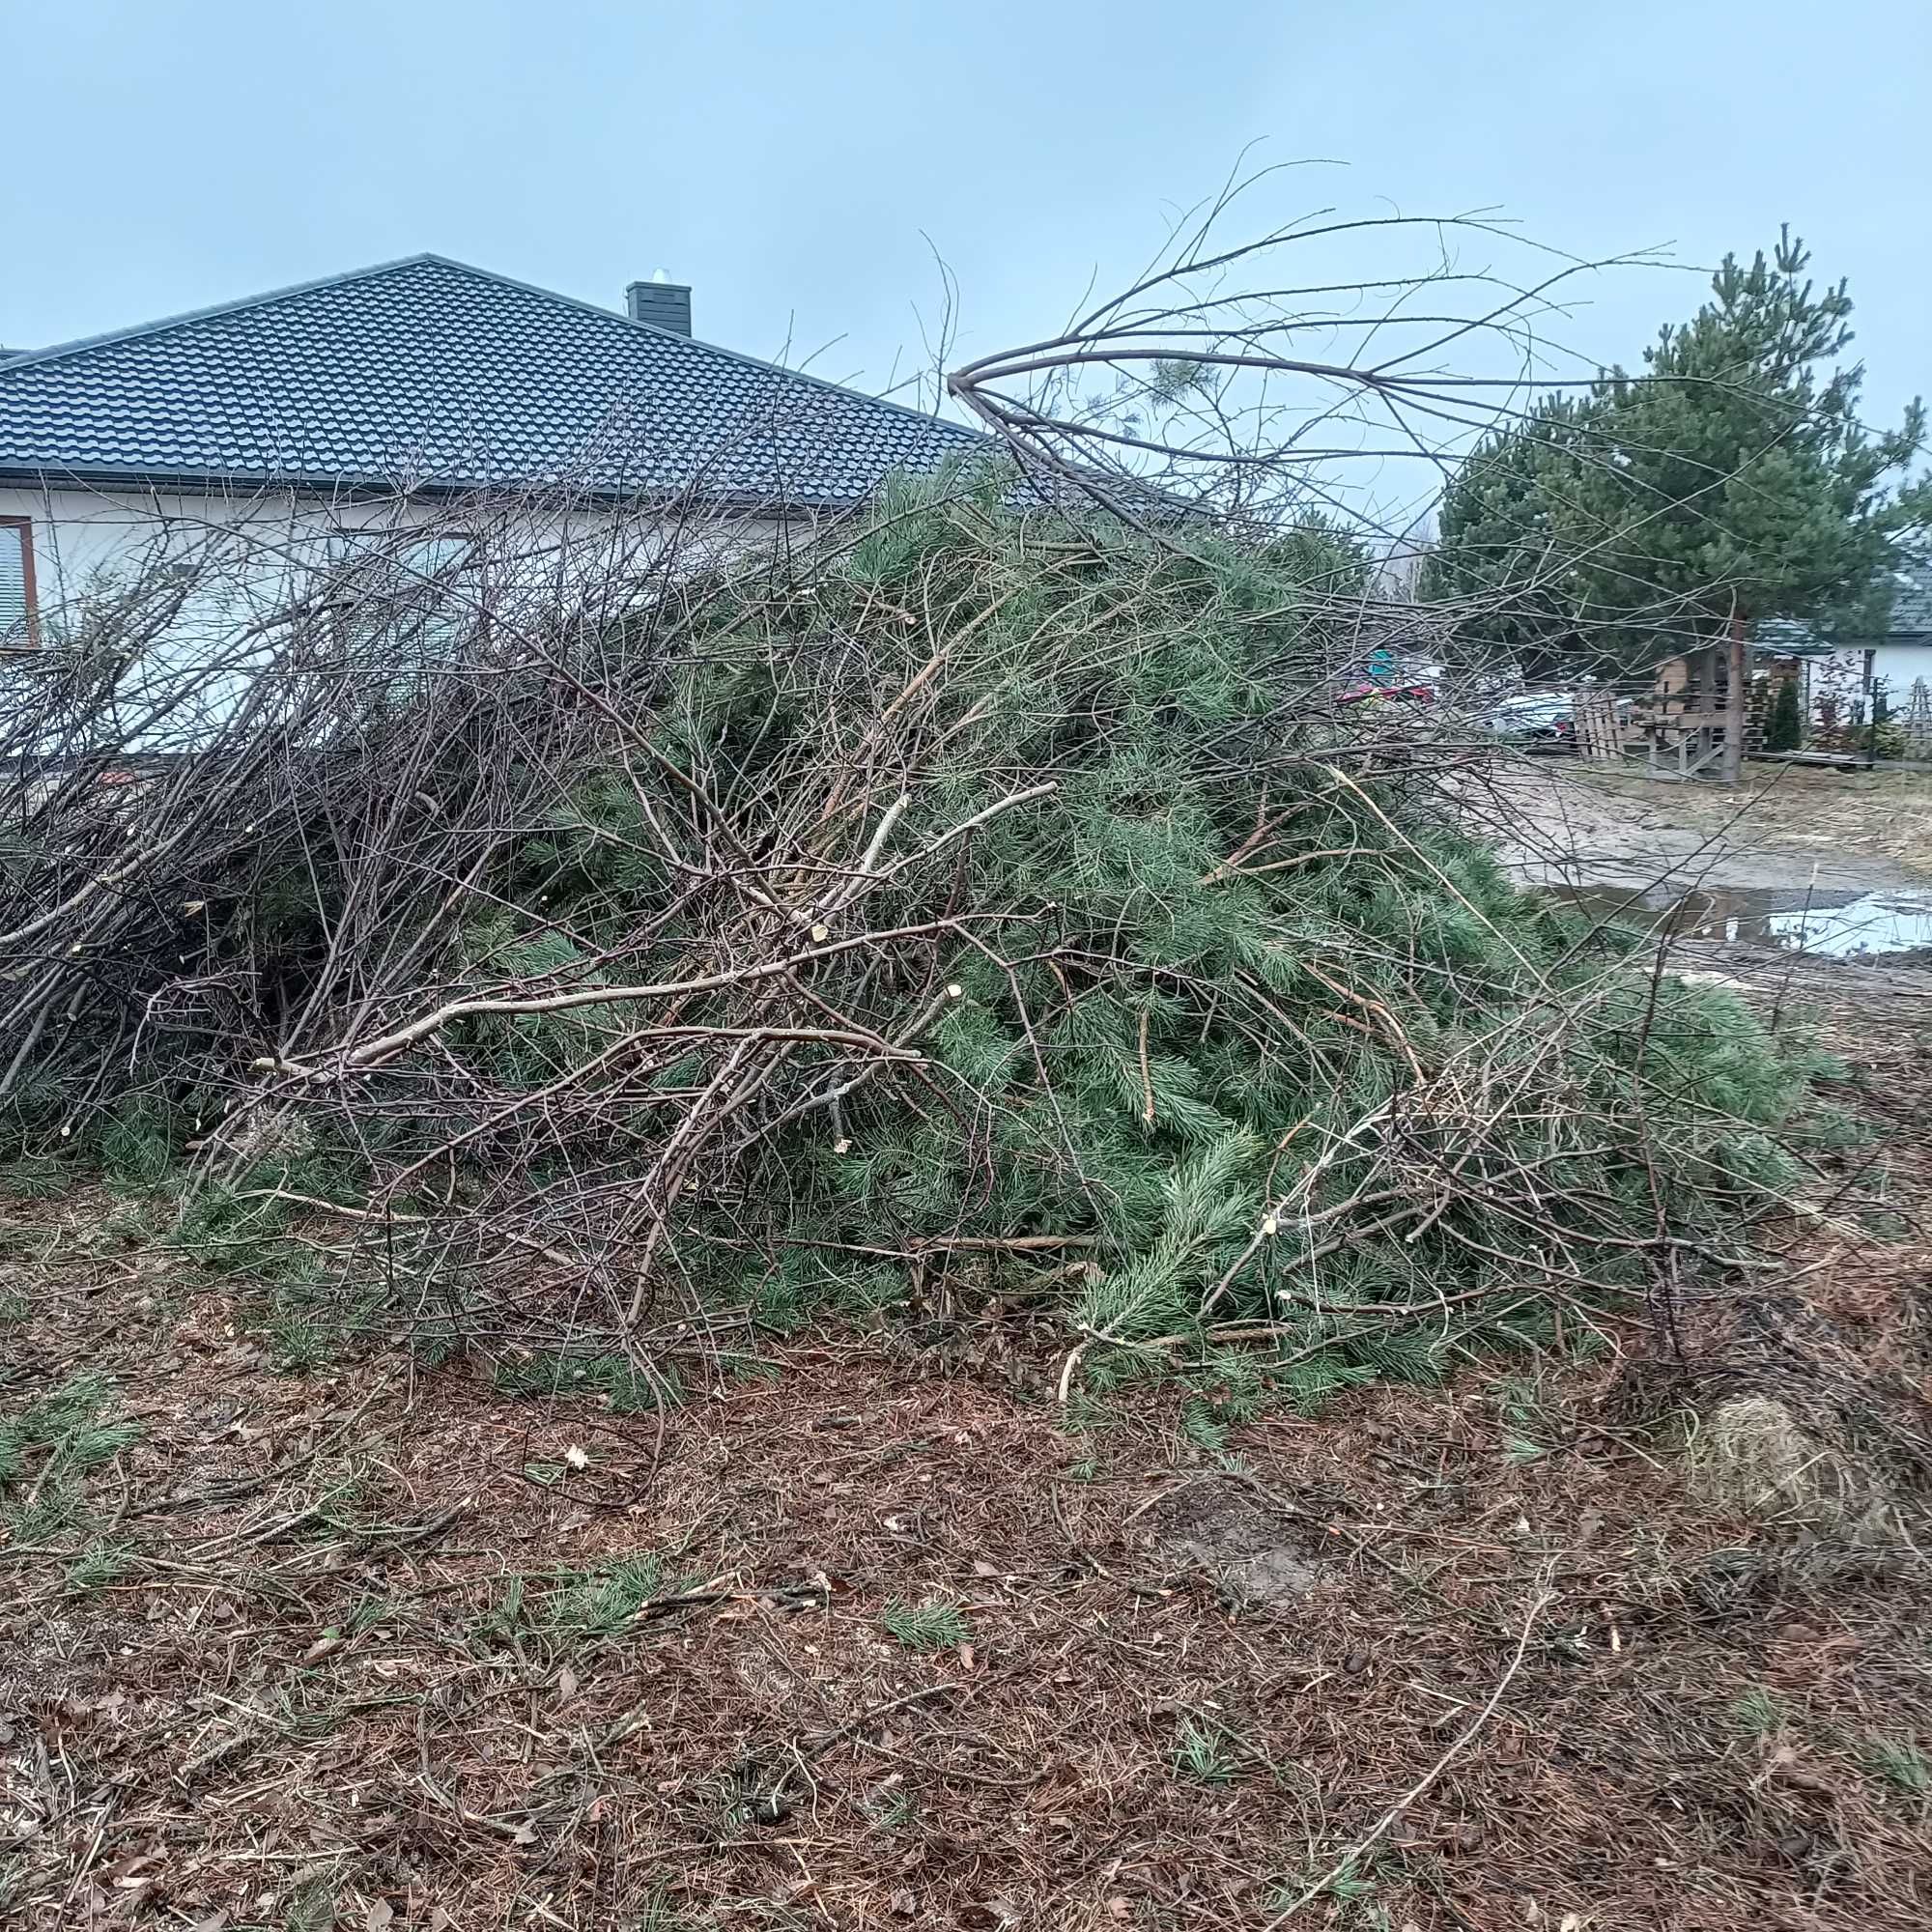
[[1846, 675]]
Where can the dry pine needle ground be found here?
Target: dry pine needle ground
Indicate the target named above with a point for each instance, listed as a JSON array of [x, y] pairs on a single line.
[[876, 1634]]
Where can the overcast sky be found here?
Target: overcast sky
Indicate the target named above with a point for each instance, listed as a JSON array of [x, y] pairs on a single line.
[[790, 160]]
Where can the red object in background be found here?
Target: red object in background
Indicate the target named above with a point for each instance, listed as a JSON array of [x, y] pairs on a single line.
[[1414, 693]]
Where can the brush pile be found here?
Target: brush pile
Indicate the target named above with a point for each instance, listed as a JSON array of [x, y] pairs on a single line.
[[593, 934]]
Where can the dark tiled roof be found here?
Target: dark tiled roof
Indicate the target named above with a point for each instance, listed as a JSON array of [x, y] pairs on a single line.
[[1912, 599], [1910, 619], [1786, 637], [426, 372]]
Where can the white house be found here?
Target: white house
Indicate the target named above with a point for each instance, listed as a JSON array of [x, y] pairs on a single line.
[[1845, 676], [378, 398], [1900, 663]]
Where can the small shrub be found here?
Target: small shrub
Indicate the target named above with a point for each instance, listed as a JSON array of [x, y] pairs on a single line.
[[32, 1178], [312, 1907], [1312, 1383], [137, 1143], [230, 1230], [298, 1344], [659, 1915], [1350, 1888], [507, 1618], [53, 1506], [894, 1809], [1786, 729], [1203, 1426], [63, 1433]]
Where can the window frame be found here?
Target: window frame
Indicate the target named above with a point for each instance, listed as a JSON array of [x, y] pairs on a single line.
[[21, 529]]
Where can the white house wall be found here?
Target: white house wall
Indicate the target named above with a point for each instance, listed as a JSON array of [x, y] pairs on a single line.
[[87, 541], [1897, 667], [253, 556]]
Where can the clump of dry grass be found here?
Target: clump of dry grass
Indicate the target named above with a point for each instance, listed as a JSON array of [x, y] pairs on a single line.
[[1752, 1455]]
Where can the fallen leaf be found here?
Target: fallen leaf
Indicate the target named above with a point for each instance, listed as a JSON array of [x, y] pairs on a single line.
[[566, 1685], [380, 1916], [967, 1655], [904, 1903], [1119, 1908], [577, 1457], [526, 1833]]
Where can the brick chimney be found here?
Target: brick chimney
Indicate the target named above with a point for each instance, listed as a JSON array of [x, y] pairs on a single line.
[[662, 302]]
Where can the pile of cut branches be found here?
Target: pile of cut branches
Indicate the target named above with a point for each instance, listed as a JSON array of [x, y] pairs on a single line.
[[584, 926]]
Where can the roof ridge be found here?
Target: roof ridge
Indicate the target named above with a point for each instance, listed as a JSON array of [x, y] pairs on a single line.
[[54, 352], [699, 342]]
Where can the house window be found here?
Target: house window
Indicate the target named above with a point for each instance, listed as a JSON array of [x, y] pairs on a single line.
[[20, 619], [405, 604]]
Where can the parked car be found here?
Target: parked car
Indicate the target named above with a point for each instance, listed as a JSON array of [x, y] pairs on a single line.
[[1539, 721]]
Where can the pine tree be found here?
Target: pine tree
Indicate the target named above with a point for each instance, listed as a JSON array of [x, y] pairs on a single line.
[[1731, 478], [1499, 531]]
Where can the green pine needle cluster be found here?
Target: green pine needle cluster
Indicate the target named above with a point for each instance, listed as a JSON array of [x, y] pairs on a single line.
[[935, 1625], [46, 1450]]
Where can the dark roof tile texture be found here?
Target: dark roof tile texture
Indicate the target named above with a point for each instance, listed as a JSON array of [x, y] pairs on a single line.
[[428, 373], [1912, 599]]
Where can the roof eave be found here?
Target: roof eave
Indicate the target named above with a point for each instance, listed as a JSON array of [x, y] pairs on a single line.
[[261, 483]]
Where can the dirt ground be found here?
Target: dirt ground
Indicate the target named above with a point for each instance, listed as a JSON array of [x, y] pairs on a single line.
[[873, 1631], [1784, 827]]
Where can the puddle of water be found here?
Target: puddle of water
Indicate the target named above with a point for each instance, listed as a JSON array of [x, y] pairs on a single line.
[[1871, 927]]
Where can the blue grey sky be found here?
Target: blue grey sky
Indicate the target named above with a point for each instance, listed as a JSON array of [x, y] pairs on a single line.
[[790, 160]]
